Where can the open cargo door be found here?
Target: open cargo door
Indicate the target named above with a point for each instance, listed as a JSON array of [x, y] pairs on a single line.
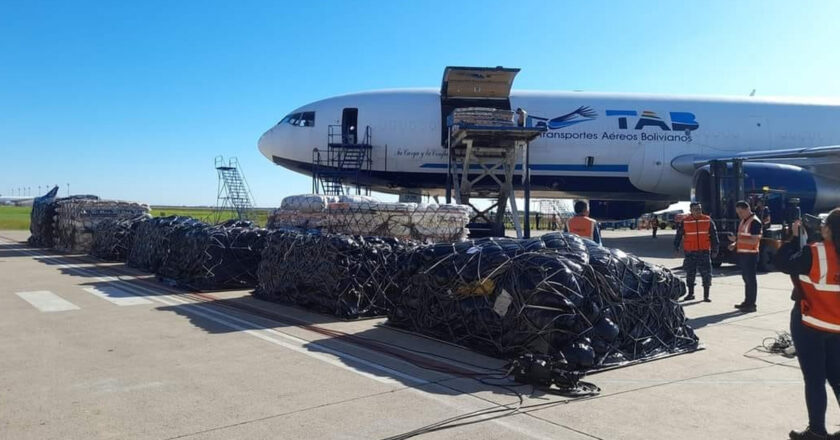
[[474, 87], [477, 83]]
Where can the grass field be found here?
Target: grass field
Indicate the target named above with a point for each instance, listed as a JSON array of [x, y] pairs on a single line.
[[14, 217], [204, 214], [17, 217]]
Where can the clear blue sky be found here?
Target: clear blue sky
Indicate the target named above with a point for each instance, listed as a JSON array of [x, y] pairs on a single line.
[[133, 100]]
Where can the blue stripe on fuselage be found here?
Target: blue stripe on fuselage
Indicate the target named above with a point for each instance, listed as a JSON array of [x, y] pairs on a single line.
[[548, 167]]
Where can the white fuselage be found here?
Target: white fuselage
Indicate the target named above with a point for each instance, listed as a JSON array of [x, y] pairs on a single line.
[[627, 147]]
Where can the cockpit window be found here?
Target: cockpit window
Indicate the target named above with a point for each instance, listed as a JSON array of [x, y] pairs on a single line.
[[288, 118], [307, 119], [304, 119]]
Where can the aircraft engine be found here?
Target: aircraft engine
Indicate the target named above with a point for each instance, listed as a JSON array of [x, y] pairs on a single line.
[[815, 193]]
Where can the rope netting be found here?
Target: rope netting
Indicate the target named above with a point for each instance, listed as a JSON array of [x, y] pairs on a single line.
[[114, 238], [195, 255], [77, 218], [42, 218], [346, 276], [358, 215], [584, 306], [217, 257], [587, 306], [151, 241]]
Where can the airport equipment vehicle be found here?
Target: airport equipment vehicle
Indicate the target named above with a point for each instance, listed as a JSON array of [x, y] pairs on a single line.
[[722, 183]]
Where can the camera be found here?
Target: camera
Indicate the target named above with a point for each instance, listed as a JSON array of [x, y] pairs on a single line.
[[812, 225]]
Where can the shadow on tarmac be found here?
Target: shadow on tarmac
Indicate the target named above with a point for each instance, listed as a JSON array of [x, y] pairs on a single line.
[[412, 360], [720, 272], [698, 323], [644, 246], [19, 250]]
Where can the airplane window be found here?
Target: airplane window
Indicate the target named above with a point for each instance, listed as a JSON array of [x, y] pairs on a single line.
[[286, 119], [307, 119]]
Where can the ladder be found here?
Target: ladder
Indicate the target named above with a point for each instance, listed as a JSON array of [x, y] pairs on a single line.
[[233, 191]]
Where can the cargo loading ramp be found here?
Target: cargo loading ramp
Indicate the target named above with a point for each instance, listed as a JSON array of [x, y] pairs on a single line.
[[485, 143]]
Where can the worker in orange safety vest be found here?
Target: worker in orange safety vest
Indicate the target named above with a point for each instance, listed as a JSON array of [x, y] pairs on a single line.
[[746, 245], [700, 243], [582, 225], [815, 318]]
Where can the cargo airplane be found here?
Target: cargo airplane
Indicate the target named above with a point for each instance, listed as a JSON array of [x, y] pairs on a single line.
[[16, 200], [638, 152]]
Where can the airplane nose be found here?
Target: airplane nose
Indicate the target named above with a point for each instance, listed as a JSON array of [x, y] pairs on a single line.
[[264, 144]]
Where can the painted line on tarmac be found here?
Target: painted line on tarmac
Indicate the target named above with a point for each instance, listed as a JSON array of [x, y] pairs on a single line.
[[117, 296], [46, 301]]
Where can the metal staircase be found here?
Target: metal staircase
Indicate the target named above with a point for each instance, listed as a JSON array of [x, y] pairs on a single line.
[[342, 164], [233, 191]]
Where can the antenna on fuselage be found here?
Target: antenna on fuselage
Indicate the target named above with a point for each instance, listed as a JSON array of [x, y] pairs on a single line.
[[752, 93]]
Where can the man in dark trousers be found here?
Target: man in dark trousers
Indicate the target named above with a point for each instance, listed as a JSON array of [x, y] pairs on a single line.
[[654, 225], [746, 245], [699, 238]]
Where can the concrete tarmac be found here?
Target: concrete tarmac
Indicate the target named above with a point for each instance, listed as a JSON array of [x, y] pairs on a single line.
[[94, 350]]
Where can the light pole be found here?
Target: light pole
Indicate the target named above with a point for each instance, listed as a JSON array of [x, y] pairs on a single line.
[[68, 189]]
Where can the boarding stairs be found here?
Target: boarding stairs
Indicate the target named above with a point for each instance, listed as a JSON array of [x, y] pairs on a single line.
[[342, 164], [233, 191]]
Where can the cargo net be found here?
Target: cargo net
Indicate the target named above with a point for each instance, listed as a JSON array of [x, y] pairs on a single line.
[[152, 241], [585, 306], [195, 255], [482, 116], [76, 219], [42, 218], [358, 215], [114, 238], [345, 276], [217, 257]]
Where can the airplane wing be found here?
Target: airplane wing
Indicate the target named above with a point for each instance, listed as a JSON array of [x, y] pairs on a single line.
[[792, 153], [819, 159]]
